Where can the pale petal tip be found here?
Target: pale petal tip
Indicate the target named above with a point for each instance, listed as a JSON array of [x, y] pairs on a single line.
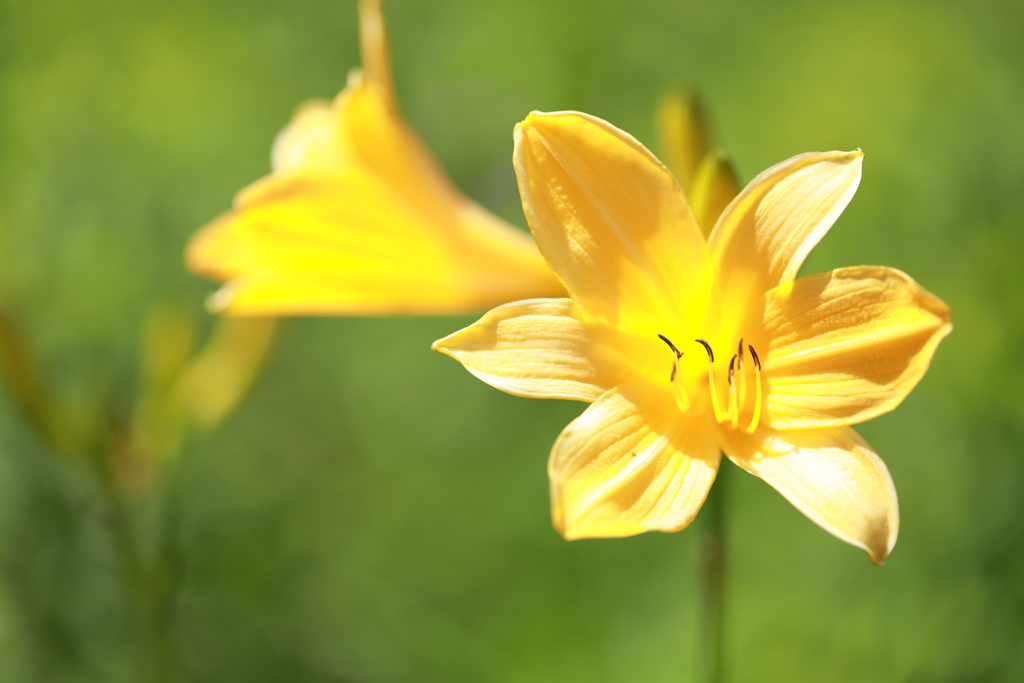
[[879, 540], [879, 544], [445, 347], [527, 123], [444, 344], [219, 301], [535, 118], [877, 555], [355, 78], [854, 156]]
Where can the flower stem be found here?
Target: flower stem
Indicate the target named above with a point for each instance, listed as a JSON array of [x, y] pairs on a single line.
[[712, 569], [147, 581]]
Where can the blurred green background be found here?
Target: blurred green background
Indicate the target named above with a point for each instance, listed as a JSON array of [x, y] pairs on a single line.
[[371, 512]]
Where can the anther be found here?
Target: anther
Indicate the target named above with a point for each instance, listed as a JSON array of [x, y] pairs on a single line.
[[757, 361], [707, 347], [739, 355], [732, 367], [679, 354]]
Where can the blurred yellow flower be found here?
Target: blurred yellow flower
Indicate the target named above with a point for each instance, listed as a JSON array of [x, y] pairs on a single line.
[[688, 346], [358, 219]]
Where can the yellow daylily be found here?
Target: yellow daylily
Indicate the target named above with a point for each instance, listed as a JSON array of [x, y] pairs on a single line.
[[358, 219], [687, 346]]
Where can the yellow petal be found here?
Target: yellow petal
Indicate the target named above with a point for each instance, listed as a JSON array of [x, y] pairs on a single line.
[[380, 142], [714, 186], [764, 235], [310, 142], [847, 346], [631, 463], [216, 251], [350, 245], [831, 475], [537, 349], [612, 222], [380, 232], [682, 135]]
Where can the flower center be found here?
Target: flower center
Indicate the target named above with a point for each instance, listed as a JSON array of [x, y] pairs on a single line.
[[737, 378]]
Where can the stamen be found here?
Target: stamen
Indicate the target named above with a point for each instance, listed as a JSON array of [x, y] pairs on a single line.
[[707, 347], [757, 392], [672, 346], [675, 363], [734, 411], [682, 400], [742, 389], [711, 381]]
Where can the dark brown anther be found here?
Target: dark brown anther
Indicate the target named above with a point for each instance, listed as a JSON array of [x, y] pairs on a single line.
[[707, 347], [739, 355], [753, 353], [679, 354], [732, 367]]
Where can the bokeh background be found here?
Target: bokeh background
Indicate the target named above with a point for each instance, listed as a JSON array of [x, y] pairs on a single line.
[[371, 512]]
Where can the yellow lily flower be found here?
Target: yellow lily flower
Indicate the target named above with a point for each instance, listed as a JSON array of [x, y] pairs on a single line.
[[687, 346], [358, 219]]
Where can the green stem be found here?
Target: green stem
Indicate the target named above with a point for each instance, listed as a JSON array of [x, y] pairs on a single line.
[[712, 566], [144, 591], [133, 570]]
